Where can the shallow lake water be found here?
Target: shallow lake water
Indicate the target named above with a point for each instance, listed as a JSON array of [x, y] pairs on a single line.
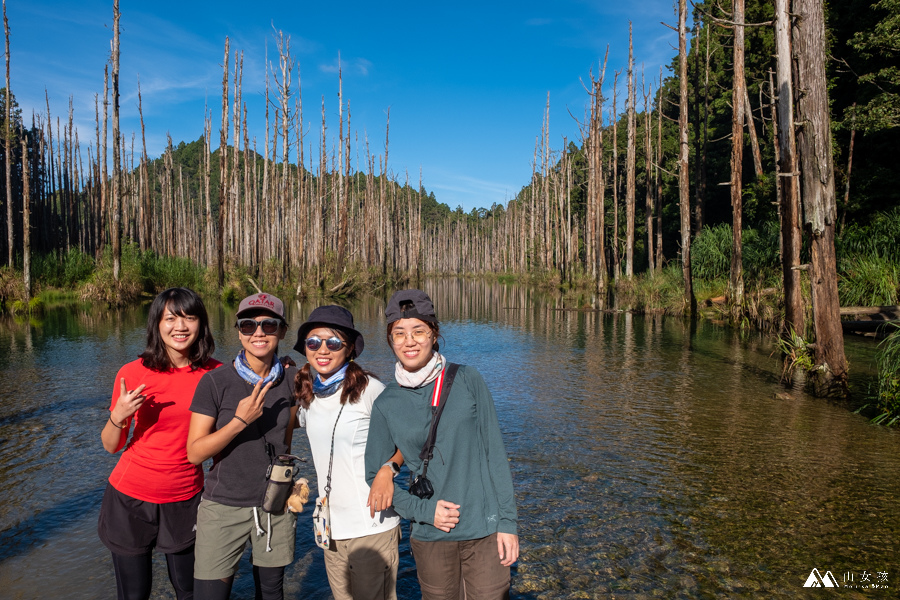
[[651, 457]]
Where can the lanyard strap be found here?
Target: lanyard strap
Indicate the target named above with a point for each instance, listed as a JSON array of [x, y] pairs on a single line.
[[331, 459]]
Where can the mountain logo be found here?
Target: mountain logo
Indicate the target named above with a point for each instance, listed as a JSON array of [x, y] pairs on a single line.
[[815, 579]]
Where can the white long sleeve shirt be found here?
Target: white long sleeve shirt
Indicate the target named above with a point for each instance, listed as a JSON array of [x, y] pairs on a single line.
[[349, 490]]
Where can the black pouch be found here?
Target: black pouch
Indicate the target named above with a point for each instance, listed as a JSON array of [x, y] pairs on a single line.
[[279, 484], [421, 487]]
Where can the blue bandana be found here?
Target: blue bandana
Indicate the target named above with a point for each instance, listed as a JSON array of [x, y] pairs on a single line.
[[276, 373], [326, 388]]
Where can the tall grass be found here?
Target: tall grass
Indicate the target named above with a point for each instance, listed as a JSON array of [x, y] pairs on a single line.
[[711, 252], [887, 399], [869, 264], [161, 272], [65, 269], [878, 238], [869, 281]]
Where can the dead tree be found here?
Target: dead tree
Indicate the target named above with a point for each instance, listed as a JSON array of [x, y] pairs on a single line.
[[617, 267], [223, 180], [648, 174], [7, 138], [736, 279], [789, 197], [116, 188], [26, 217], [684, 202], [819, 205], [629, 165]]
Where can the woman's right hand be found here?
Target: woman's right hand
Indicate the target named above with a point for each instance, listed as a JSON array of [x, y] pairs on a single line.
[[446, 515], [251, 408], [128, 403]]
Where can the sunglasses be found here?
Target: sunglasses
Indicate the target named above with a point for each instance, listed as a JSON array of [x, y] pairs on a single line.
[[249, 326], [333, 343]]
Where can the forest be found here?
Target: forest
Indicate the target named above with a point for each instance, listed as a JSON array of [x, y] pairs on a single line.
[[753, 179]]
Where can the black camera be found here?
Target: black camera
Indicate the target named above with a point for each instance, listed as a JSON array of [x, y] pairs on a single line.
[[421, 487]]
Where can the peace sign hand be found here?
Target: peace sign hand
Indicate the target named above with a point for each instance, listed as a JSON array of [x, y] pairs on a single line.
[[128, 403], [251, 408]]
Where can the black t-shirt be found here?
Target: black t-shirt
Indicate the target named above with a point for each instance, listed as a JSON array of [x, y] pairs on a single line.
[[238, 474]]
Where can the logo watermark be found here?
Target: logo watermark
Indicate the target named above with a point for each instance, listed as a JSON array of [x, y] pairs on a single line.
[[859, 580]]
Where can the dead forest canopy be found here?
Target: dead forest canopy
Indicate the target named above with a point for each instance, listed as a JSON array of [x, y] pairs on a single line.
[[303, 211]]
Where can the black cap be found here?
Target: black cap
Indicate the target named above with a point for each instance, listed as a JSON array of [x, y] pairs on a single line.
[[410, 304], [335, 317]]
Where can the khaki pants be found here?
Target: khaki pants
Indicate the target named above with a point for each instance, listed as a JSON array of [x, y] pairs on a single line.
[[444, 567], [364, 568]]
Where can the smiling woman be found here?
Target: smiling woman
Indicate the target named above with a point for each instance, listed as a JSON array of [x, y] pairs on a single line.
[[153, 493], [243, 419], [336, 397], [463, 510]]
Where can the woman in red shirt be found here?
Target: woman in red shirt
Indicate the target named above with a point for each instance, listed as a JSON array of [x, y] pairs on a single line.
[[153, 492]]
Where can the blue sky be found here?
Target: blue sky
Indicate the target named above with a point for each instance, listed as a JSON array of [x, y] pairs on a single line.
[[466, 82]]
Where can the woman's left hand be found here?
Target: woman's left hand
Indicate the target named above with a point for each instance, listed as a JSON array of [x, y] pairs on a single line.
[[508, 547], [381, 494]]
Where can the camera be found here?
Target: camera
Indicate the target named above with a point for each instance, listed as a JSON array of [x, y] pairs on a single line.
[[421, 487]]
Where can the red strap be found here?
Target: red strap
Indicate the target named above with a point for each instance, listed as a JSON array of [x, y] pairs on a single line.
[[438, 384]]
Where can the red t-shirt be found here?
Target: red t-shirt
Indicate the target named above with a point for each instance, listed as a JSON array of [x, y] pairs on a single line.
[[154, 466]]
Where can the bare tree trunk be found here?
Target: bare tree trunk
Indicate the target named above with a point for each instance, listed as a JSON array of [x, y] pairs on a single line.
[[849, 168], [683, 190], [751, 128], [789, 199], [659, 159], [7, 138], [223, 181], [617, 267], [648, 176], [596, 165], [26, 216], [145, 210], [629, 166], [819, 194], [736, 280], [117, 191], [700, 208]]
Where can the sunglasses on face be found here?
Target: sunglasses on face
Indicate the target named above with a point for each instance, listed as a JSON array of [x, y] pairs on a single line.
[[333, 343], [249, 326]]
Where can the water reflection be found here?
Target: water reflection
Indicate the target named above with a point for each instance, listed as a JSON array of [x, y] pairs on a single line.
[[650, 455]]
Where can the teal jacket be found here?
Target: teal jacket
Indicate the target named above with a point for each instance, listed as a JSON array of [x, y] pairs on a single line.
[[469, 467]]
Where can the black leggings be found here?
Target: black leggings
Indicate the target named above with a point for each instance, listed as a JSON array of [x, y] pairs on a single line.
[[134, 574], [268, 581]]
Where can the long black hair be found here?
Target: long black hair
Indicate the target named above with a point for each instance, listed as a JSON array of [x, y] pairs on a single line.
[[182, 302]]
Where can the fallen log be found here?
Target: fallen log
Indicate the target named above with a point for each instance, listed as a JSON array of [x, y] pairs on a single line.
[[871, 310]]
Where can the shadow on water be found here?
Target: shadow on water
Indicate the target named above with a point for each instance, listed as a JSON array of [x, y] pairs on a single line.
[[47, 524]]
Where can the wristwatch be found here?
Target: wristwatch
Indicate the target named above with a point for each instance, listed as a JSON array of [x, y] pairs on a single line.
[[395, 468]]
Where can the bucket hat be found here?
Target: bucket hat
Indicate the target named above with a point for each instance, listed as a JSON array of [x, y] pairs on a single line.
[[261, 301], [410, 304], [336, 317]]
